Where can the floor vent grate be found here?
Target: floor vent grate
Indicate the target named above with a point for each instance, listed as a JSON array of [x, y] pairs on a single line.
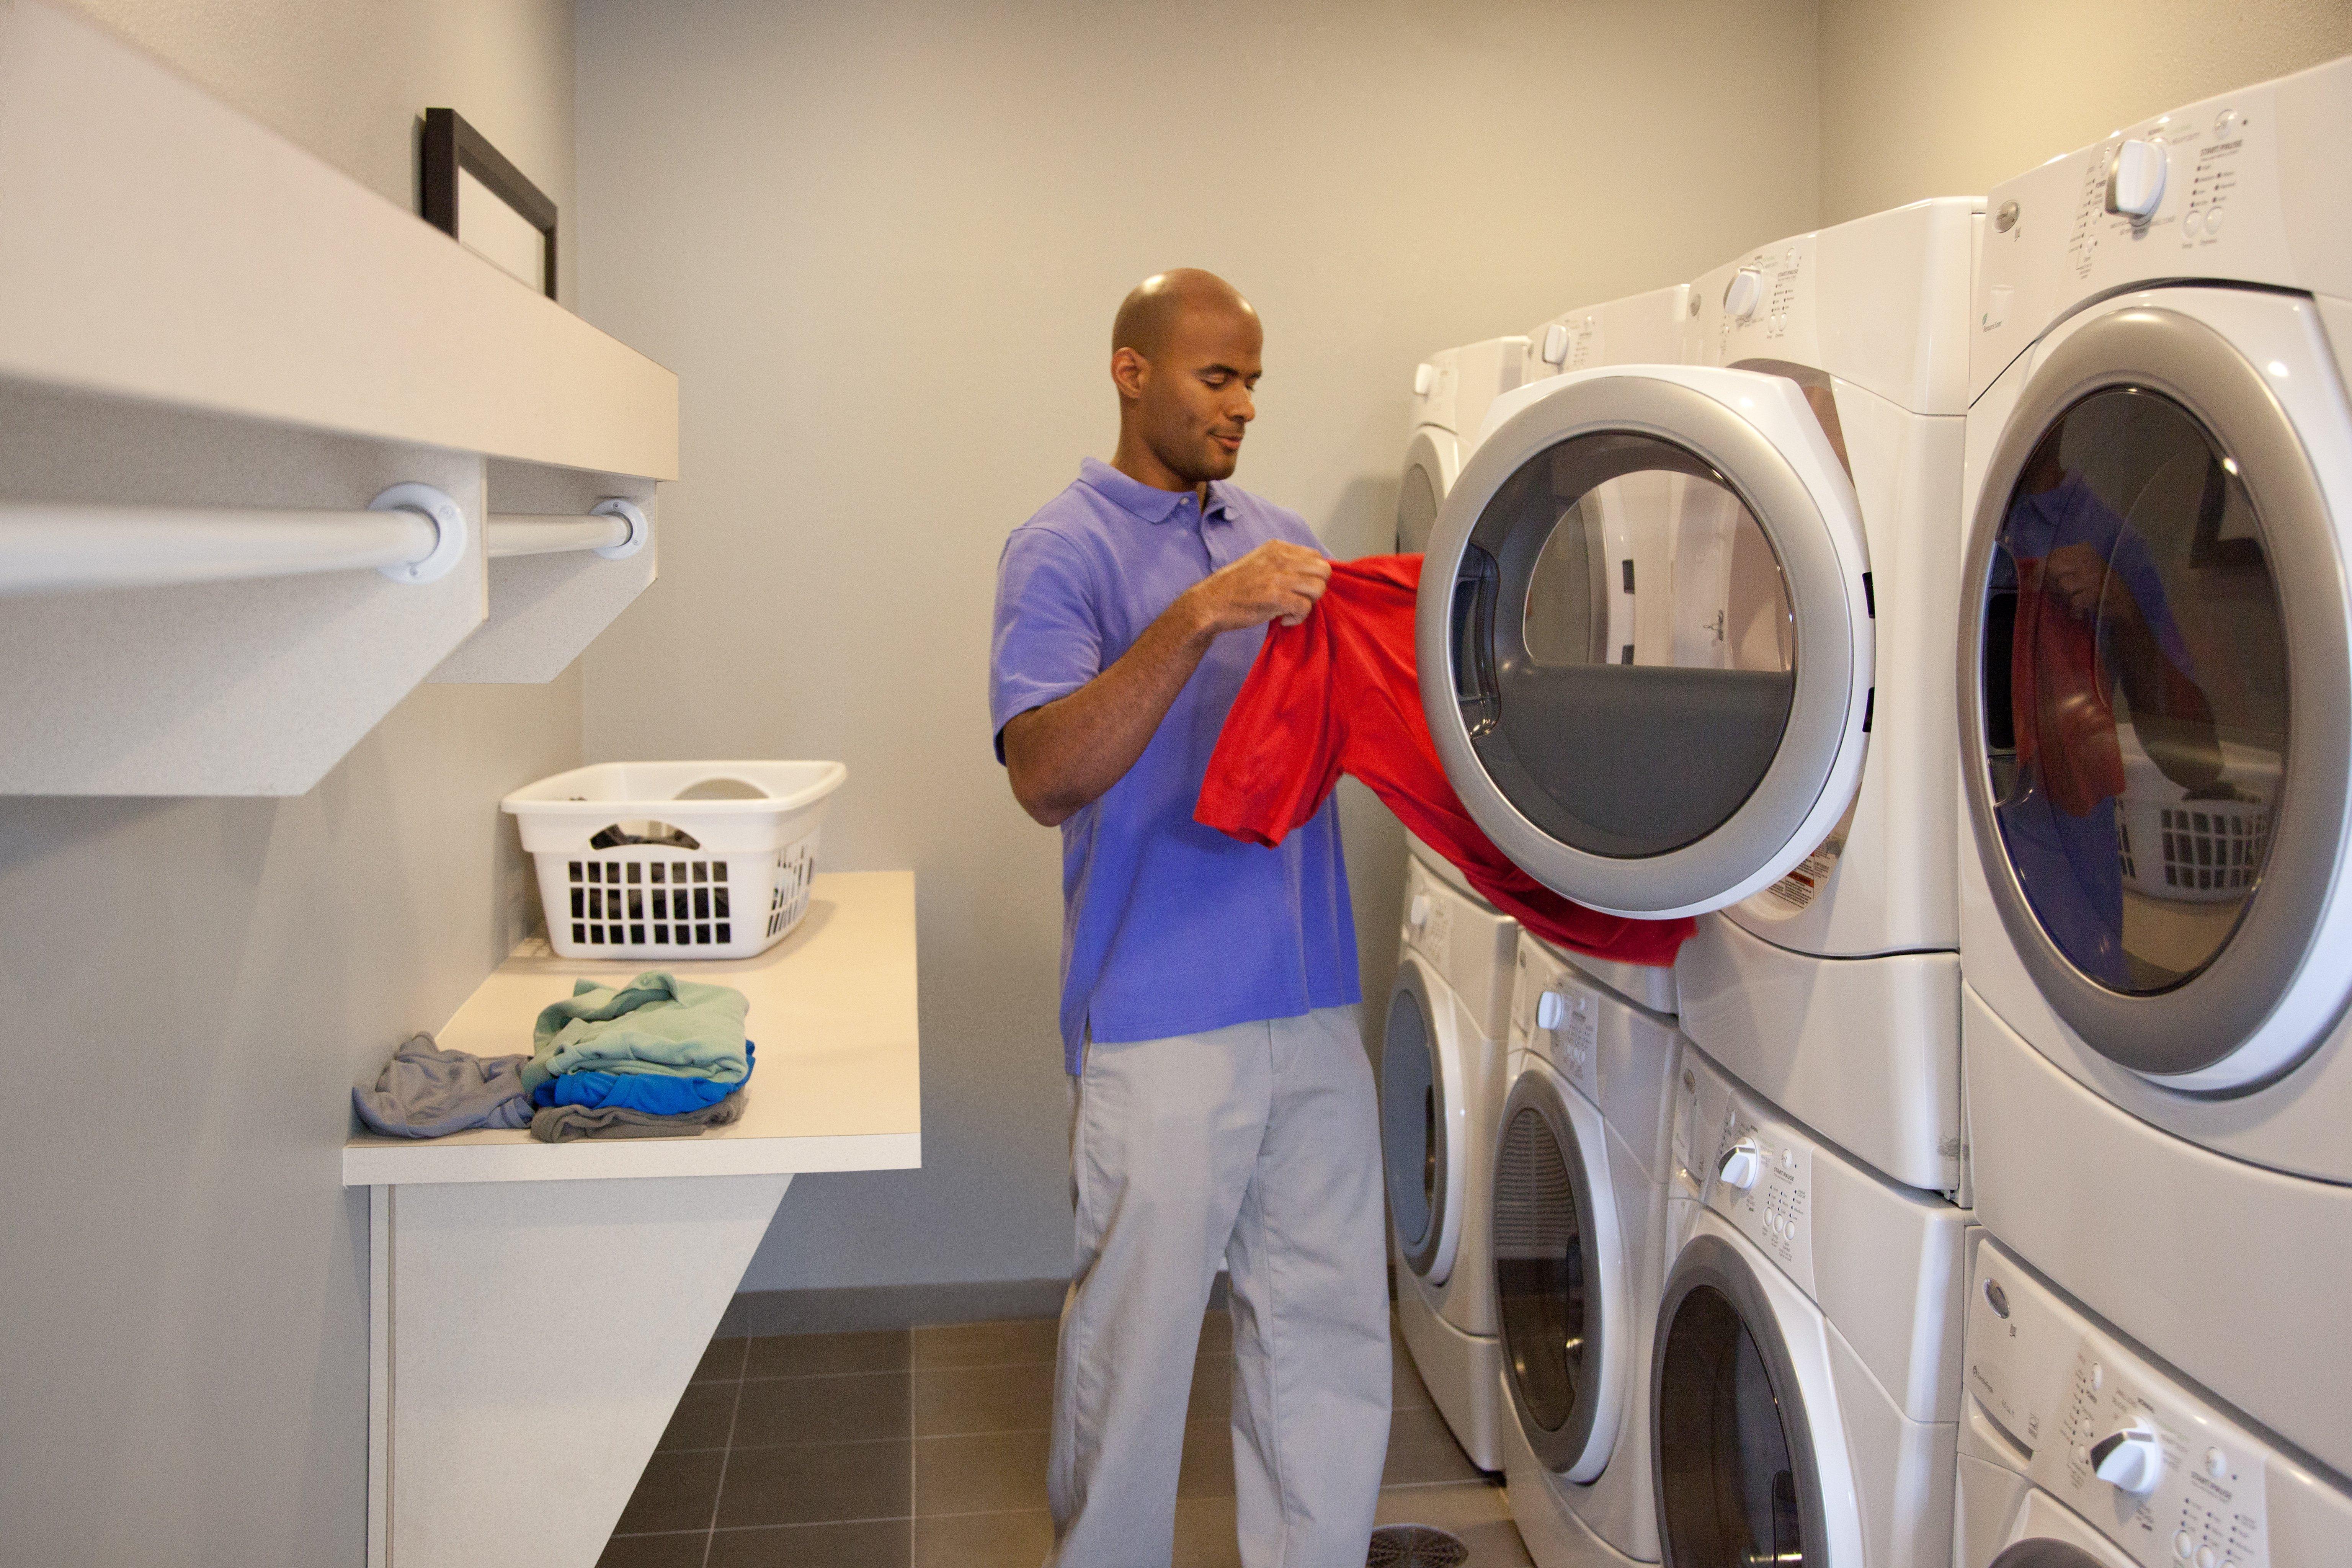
[[1415, 1546]]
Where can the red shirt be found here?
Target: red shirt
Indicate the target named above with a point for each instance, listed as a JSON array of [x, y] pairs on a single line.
[[1338, 694]]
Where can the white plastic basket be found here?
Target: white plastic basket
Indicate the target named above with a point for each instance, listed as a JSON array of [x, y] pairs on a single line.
[[675, 859], [2182, 850]]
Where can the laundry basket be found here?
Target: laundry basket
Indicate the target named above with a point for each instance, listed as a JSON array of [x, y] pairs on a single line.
[[675, 859], [2183, 849]]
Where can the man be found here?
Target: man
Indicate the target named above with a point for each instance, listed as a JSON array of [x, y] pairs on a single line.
[[1221, 1105]]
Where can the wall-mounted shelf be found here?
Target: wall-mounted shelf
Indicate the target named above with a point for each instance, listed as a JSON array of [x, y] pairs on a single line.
[[198, 319], [480, 1240]]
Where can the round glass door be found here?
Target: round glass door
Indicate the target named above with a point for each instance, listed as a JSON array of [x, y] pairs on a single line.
[[1639, 657], [1412, 1127], [2154, 694], [1551, 1286], [1734, 1471], [2135, 690]]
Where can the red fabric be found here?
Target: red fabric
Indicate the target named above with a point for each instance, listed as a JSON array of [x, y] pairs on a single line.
[[2058, 691], [1337, 694]]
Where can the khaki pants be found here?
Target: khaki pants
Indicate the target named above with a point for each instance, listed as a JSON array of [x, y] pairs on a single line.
[[1257, 1146]]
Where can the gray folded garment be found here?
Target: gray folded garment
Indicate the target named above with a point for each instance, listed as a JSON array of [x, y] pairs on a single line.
[[563, 1123], [424, 1091]]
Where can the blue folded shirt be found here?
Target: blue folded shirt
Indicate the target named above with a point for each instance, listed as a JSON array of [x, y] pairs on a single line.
[[654, 1095]]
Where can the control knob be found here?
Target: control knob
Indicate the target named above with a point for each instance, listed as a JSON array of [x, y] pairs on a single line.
[[1424, 376], [1742, 1164], [2129, 1458], [1551, 1009], [1416, 915], [2135, 181], [1555, 344], [1743, 294]]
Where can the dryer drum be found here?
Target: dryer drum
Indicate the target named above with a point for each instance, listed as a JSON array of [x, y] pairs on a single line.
[[1733, 1460]]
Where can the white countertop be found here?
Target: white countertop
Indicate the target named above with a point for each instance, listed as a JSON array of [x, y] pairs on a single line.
[[837, 1086]]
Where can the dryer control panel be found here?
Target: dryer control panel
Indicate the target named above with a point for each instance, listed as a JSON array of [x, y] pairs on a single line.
[[1751, 1168], [2119, 1441]]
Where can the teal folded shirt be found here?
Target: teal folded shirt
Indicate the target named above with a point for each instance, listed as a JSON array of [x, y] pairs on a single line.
[[656, 1024]]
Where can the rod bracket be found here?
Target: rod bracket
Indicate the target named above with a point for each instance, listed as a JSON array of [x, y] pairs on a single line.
[[628, 512], [448, 520]]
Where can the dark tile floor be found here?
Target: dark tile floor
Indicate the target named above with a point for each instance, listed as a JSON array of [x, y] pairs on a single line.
[[926, 1447]]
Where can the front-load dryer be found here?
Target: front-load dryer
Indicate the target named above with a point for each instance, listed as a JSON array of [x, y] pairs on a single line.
[[1834, 991], [2078, 1451], [1641, 328], [2156, 740], [1442, 1082], [1644, 635], [1804, 1379], [1452, 391], [1579, 1216]]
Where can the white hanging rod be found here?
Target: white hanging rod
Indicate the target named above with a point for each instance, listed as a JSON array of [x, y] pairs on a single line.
[[613, 530], [411, 533]]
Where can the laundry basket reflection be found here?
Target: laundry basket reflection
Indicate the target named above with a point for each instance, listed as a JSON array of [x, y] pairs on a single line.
[[675, 859]]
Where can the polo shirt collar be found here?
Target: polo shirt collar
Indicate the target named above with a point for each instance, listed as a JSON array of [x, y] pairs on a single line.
[[1146, 501]]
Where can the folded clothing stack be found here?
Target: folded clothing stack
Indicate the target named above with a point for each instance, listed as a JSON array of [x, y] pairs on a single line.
[[656, 1057]]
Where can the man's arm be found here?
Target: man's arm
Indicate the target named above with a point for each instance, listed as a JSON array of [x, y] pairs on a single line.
[[1065, 755]]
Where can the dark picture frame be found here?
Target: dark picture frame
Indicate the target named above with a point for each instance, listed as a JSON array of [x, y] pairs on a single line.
[[451, 145]]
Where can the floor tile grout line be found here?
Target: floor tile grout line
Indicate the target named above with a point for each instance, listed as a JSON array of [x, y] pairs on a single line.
[[719, 1493], [914, 1471]]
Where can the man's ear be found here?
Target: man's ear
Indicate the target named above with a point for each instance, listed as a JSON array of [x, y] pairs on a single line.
[[1129, 370]]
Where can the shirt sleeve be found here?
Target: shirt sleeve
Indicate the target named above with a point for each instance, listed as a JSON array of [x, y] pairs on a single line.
[[1048, 639]]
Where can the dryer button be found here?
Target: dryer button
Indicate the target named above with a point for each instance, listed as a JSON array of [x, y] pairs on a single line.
[[2206, 1557], [2182, 1547], [2212, 220]]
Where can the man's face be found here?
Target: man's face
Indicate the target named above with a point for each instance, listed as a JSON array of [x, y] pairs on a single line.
[[1193, 398]]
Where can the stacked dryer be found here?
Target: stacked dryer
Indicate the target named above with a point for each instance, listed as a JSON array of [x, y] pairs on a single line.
[[2156, 755], [1659, 607], [1452, 391]]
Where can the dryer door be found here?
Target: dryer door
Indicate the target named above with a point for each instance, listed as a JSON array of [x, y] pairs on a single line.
[[1645, 639], [1432, 460], [2155, 688], [1424, 1122], [1560, 1285], [1737, 1478]]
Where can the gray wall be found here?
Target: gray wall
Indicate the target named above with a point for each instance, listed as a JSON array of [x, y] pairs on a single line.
[[191, 987], [1930, 98], [881, 245]]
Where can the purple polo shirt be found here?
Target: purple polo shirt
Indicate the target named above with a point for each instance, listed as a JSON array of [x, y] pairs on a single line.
[[1168, 927]]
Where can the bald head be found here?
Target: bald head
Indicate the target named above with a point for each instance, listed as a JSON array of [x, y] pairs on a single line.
[[1184, 355], [1156, 307]]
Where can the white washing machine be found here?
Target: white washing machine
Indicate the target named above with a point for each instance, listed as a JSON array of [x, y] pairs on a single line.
[[1834, 991], [2078, 1451], [1441, 1084], [1804, 1381], [1579, 1189], [1641, 328], [2156, 740], [1450, 392]]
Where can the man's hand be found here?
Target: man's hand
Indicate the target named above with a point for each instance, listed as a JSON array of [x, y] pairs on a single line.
[[1277, 581], [2076, 575]]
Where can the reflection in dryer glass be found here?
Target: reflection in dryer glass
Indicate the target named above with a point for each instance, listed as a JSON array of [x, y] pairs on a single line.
[[2135, 690], [1539, 1270], [1727, 1485]]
